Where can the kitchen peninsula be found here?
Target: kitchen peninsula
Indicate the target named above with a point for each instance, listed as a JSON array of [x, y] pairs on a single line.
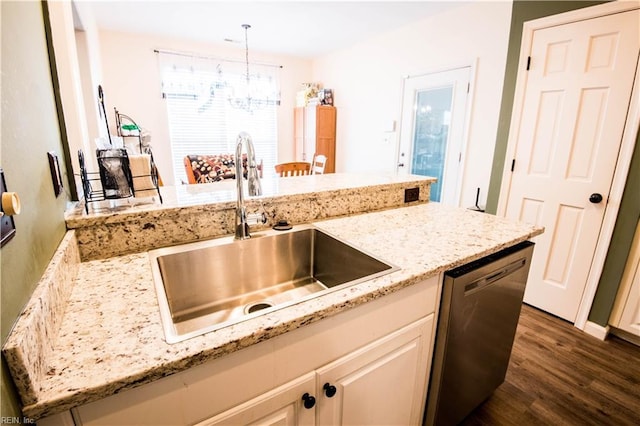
[[91, 337], [202, 211]]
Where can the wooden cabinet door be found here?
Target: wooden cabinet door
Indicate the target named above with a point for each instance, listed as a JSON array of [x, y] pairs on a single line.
[[326, 136], [382, 383], [314, 132], [282, 406]]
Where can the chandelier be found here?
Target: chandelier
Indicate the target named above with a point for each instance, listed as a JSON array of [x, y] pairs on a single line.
[[248, 97]]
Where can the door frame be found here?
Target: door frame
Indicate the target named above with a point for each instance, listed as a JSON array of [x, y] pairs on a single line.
[[473, 75], [624, 155]]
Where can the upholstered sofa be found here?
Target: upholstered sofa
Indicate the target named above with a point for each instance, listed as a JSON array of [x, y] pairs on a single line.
[[214, 167]]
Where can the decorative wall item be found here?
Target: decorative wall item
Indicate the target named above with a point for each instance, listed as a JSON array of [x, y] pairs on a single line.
[[56, 174]]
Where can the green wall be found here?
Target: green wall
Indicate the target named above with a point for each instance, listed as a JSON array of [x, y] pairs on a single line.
[[29, 129]]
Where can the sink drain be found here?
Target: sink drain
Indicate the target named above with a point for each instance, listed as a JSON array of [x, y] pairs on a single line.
[[253, 307]]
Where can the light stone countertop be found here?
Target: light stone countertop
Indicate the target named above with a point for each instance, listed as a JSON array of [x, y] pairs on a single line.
[[222, 195], [111, 336]]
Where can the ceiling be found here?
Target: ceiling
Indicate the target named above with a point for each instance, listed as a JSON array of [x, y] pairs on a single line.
[[297, 28]]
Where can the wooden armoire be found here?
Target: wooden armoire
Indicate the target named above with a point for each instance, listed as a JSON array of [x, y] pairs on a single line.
[[315, 133]]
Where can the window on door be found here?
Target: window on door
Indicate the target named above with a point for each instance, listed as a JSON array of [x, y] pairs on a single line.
[[431, 133], [200, 95]]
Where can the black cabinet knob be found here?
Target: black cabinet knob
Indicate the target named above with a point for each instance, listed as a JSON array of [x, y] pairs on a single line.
[[329, 390], [595, 198], [308, 401]]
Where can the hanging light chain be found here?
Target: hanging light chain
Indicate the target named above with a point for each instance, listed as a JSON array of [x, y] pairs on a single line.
[[246, 51]]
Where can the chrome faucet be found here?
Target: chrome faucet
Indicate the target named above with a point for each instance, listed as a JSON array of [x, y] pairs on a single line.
[[253, 183]]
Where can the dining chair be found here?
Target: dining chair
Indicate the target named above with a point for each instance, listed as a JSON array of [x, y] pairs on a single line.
[[296, 168], [319, 162]]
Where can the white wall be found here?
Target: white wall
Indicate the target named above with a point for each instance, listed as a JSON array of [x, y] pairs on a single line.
[[367, 83], [90, 72], [68, 69], [131, 83], [88, 49]]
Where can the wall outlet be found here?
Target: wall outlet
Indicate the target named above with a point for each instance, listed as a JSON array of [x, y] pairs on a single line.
[[411, 194]]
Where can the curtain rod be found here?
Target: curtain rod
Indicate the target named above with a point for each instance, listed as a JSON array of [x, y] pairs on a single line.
[[192, 55]]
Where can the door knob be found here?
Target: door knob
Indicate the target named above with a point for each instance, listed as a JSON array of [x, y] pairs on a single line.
[[595, 198], [308, 401], [329, 390]]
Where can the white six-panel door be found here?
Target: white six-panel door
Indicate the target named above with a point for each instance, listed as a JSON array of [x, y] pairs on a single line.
[[572, 119]]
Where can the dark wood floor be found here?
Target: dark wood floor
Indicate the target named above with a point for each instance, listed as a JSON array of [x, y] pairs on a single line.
[[559, 375]]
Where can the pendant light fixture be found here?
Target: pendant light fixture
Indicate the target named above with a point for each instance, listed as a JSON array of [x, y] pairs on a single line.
[[246, 99]]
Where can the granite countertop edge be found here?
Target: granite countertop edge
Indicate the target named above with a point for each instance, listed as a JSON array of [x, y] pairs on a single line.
[[77, 397]]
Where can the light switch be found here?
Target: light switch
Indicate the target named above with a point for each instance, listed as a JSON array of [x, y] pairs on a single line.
[[8, 226]]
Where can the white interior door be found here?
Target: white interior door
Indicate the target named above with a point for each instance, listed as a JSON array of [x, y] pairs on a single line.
[[432, 130], [626, 310], [572, 119]]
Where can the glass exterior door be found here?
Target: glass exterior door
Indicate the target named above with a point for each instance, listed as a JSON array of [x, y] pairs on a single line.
[[432, 130]]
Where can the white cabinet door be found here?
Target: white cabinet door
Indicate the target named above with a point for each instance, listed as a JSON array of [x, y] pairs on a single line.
[[282, 406], [309, 147], [382, 383]]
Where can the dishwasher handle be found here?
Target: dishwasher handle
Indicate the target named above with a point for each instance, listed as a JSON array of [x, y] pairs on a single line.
[[494, 276]]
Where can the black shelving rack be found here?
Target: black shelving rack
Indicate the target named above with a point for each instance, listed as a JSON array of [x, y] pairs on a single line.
[[98, 187], [122, 119]]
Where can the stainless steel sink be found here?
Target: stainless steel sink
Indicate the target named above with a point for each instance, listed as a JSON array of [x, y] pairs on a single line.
[[208, 285]]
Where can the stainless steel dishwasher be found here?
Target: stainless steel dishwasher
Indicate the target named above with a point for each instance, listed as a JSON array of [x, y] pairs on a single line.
[[479, 313]]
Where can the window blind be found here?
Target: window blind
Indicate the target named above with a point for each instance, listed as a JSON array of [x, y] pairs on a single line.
[[202, 120]]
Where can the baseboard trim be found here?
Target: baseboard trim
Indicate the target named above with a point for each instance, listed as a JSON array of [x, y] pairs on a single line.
[[596, 330], [625, 335]]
